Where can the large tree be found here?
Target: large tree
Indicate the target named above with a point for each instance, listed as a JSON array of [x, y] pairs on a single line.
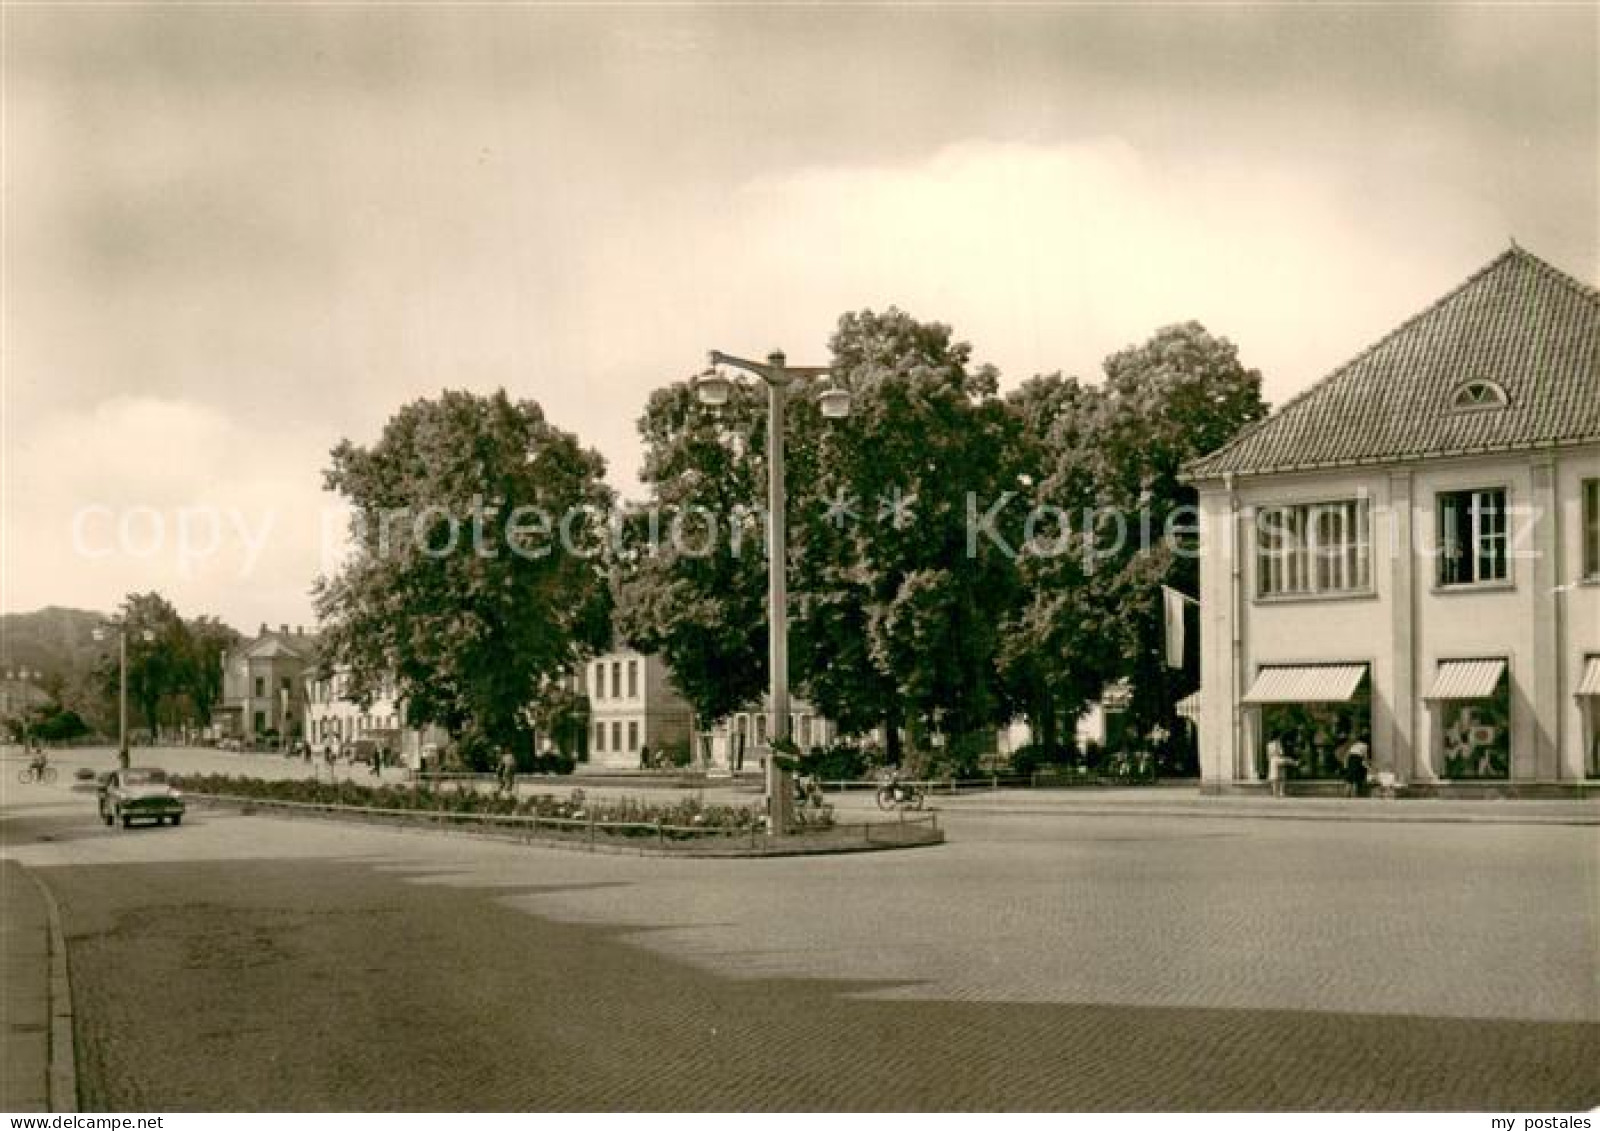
[[900, 616], [693, 577], [159, 658], [208, 640], [1093, 611], [479, 568]]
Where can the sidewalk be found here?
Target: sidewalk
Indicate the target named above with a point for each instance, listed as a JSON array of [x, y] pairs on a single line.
[[36, 1045], [1180, 801]]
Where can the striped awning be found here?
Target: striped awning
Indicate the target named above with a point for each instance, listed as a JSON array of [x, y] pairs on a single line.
[[1590, 683], [1467, 679], [1310, 683], [1189, 706]]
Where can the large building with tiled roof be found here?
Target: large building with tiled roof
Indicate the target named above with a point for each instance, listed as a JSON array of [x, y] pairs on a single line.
[[1407, 555], [263, 686]]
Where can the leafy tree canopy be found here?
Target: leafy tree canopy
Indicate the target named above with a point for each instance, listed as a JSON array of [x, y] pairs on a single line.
[[479, 572]]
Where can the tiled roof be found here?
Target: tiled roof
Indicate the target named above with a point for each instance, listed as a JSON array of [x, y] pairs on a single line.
[[1518, 322]]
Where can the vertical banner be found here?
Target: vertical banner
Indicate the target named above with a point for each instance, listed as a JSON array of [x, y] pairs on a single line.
[[1173, 603]]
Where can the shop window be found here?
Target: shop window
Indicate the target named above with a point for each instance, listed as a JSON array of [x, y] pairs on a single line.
[[1475, 736], [1318, 735], [1472, 537], [1314, 548]]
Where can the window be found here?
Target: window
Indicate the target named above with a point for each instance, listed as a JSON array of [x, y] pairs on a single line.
[[261, 685], [616, 679], [1591, 528], [1314, 548], [633, 736], [1472, 537], [600, 737], [1479, 394], [599, 681], [284, 683], [616, 735], [761, 729], [633, 679]]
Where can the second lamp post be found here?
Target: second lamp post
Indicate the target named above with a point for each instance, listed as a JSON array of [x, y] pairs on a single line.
[[712, 389], [120, 627]]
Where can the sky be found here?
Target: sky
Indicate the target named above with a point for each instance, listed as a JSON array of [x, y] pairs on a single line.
[[235, 235]]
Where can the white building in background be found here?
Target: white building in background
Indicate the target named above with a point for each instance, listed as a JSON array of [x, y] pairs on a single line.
[[333, 719], [633, 708], [1409, 553], [741, 742]]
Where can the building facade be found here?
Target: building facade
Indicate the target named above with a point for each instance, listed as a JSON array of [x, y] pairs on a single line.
[[740, 743], [634, 709], [333, 719], [1408, 553], [264, 687]]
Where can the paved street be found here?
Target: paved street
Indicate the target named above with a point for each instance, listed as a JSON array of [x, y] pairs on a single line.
[[1036, 961]]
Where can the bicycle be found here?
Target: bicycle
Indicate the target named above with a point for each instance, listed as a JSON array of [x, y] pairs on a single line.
[[41, 775], [897, 794]]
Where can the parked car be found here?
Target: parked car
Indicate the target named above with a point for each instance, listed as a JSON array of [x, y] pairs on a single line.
[[139, 795]]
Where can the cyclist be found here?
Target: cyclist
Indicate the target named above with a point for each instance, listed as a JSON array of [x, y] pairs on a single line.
[[39, 762]]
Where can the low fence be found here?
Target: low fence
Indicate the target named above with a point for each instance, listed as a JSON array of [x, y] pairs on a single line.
[[835, 836]]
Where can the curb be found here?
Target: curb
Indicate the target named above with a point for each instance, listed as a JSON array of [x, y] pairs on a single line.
[[61, 1085], [1271, 814]]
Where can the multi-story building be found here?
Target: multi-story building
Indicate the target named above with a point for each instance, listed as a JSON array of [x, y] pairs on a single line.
[[263, 685], [633, 708], [1408, 553], [334, 720]]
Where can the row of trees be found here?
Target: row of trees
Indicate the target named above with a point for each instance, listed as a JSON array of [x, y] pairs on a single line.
[[1014, 580], [902, 618]]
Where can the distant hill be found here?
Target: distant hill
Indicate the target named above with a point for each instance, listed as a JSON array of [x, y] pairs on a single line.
[[54, 641]]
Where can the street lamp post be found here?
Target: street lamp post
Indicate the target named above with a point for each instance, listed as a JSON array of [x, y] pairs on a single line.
[[121, 628], [712, 389]]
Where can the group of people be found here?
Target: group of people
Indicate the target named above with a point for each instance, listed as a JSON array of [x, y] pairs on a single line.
[[1355, 768]]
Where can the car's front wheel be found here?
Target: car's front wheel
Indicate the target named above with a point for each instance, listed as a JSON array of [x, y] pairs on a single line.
[[127, 821], [177, 818]]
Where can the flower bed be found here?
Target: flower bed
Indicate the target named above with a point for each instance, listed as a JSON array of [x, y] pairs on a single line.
[[635, 818]]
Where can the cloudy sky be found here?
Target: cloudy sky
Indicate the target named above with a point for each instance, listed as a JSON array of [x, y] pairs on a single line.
[[234, 235]]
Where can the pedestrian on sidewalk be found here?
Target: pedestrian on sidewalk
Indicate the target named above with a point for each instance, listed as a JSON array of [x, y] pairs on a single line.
[[1356, 765], [1278, 764]]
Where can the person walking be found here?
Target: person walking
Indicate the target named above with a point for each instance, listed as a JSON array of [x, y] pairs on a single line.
[[508, 773], [1278, 764], [1356, 764]]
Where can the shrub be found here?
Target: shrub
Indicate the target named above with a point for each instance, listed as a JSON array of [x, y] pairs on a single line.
[[839, 762]]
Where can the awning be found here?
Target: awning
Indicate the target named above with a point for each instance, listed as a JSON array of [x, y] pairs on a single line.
[[1590, 683], [1467, 679], [1312, 683], [1189, 706]]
